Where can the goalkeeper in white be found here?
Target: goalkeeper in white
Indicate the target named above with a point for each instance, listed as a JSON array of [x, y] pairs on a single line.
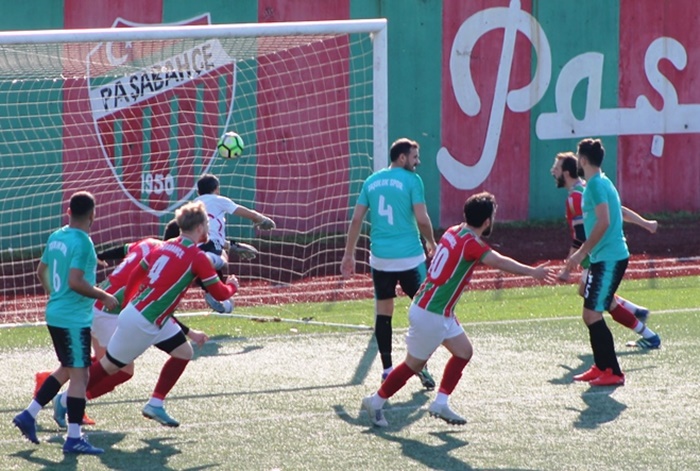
[[218, 207]]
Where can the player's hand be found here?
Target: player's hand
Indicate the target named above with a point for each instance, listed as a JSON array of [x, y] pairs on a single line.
[[265, 224], [198, 337], [109, 301], [574, 260], [347, 267], [651, 226], [564, 275], [430, 248], [232, 280], [544, 273], [102, 263], [244, 251]]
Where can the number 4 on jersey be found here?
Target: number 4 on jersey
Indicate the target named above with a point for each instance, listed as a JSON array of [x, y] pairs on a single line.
[[157, 268], [386, 210]]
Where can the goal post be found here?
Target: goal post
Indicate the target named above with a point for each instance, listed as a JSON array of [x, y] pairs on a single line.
[[132, 114]]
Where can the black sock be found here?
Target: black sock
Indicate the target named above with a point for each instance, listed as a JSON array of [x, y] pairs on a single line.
[[47, 391], [603, 347], [382, 331], [76, 409]]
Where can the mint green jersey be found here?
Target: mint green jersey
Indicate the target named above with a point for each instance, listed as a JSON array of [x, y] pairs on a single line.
[[69, 248], [612, 246], [390, 195]]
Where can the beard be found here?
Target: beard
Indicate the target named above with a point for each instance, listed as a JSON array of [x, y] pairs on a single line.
[[487, 232], [561, 183], [409, 167], [579, 172]]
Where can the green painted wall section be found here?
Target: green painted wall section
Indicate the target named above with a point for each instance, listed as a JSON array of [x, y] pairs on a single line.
[[565, 30], [37, 153]]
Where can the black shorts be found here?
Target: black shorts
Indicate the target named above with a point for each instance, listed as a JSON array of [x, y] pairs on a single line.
[[601, 284], [72, 346], [385, 282], [211, 247]]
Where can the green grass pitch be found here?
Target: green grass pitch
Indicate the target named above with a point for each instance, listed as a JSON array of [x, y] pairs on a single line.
[[286, 396]]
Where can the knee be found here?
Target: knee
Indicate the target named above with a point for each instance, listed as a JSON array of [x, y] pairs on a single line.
[[183, 352]]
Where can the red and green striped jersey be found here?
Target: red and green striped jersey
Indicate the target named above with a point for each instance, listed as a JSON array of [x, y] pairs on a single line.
[[456, 256], [170, 271], [116, 281], [574, 212]]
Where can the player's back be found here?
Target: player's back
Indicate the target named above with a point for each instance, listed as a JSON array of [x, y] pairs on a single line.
[[612, 246], [458, 253], [390, 195], [69, 248], [116, 281], [171, 269]]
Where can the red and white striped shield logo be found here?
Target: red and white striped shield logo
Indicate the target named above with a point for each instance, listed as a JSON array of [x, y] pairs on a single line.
[[158, 108]]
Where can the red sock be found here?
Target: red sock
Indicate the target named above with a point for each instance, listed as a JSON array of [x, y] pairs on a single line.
[[108, 384], [395, 381], [97, 374], [623, 316], [453, 371], [169, 374]]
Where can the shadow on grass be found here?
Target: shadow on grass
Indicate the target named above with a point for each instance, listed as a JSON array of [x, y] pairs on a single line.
[[213, 347], [402, 415], [600, 408], [154, 454]]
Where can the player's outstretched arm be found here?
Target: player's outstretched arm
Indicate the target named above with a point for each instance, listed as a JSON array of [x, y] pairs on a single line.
[[540, 272], [347, 265], [630, 216], [260, 220]]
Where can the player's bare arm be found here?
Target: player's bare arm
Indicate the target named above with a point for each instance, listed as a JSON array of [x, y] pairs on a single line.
[[540, 272], [631, 216], [425, 226], [260, 220], [77, 282], [602, 214], [41, 274], [347, 265]]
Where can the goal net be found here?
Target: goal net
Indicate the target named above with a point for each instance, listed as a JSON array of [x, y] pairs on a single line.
[[132, 114]]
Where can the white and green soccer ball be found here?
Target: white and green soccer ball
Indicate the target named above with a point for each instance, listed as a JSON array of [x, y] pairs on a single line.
[[230, 145]]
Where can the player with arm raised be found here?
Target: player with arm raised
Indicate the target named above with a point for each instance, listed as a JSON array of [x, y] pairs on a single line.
[[395, 199], [565, 172], [67, 273], [432, 320], [152, 293], [218, 207]]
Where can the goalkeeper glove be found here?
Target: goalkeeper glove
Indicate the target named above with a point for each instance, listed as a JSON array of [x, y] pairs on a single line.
[[244, 251], [266, 224]]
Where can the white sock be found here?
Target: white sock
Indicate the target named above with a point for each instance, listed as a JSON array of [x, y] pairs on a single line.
[[627, 304], [63, 397], [378, 401], [388, 370], [34, 408], [74, 430], [155, 402], [441, 398], [647, 333]]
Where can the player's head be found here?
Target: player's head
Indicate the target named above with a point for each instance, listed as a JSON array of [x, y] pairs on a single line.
[[193, 221], [82, 207], [480, 211], [590, 152], [565, 164], [172, 230], [405, 152], [207, 184]]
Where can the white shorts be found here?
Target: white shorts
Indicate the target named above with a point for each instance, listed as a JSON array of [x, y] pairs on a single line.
[[427, 331], [103, 326], [135, 334]]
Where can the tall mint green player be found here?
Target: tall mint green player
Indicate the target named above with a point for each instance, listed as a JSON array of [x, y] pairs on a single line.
[[67, 273], [395, 199]]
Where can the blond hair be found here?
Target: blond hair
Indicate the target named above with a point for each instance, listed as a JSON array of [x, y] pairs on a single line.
[[191, 215]]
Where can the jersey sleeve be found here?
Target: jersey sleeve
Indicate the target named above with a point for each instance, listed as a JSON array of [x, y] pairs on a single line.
[[81, 255], [475, 250], [597, 193], [363, 199], [202, 268], [227, 205], [417, 191]]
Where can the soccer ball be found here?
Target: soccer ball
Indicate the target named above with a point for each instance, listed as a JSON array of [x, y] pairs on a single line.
[[230, 145]]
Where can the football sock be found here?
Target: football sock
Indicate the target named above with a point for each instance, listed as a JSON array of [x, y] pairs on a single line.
[[645, 331], [628, 304], [155, 402], [382, 331], [395, 381], [108, 384], [624, 316], [76, 410], [47, 391], [453, 372], [97, 374], [169, 374], [603, 347], [441, 398], [34, 408]]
